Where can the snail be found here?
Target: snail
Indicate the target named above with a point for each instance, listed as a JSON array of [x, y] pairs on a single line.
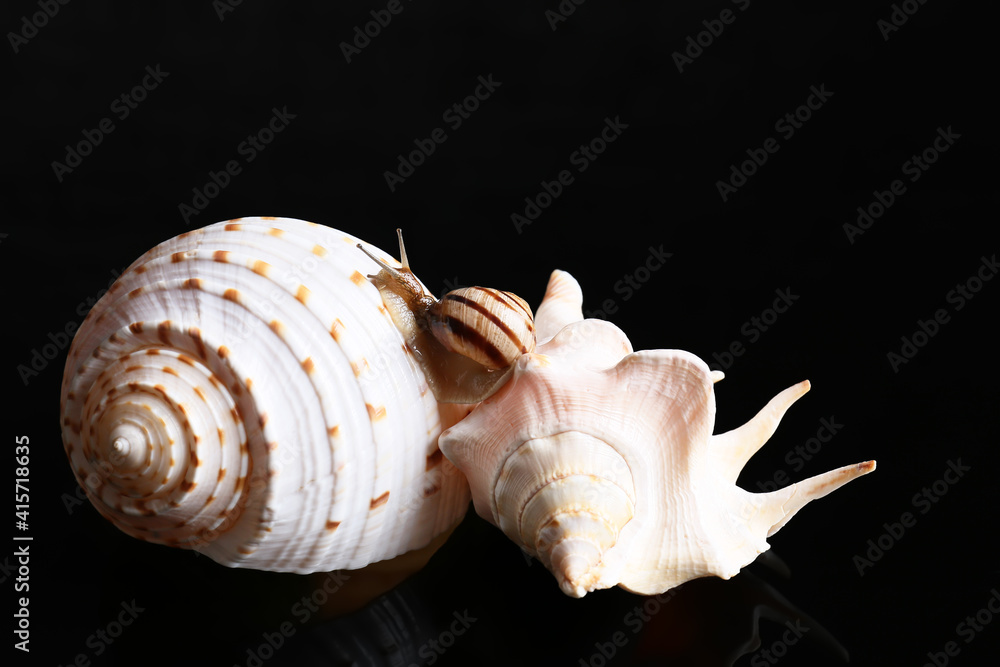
[[467, 342], [249, 391]]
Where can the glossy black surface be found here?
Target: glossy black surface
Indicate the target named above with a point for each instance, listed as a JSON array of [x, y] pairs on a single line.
[[887, 569]]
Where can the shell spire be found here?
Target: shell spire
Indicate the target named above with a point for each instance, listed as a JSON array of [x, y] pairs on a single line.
[[601, 462]]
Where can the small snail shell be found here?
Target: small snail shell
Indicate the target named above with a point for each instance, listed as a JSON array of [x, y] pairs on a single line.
[[241, 390], [467, 341], [485, 324]]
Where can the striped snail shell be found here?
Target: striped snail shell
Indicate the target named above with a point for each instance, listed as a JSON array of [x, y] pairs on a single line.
[[485, 324], [467, 342], [242, 390]]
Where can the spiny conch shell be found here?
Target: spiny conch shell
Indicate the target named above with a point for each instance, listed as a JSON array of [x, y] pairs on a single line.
[[242, 391], [601, 461]]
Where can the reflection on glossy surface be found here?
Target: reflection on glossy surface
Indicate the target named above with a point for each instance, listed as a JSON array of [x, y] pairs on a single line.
[[478, 601], [434, 617], [715, 622]]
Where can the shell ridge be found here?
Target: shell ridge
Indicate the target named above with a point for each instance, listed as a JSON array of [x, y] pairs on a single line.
[[238, 280]]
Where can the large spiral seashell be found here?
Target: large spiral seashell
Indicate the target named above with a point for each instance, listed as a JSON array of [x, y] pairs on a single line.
[[241, 390]]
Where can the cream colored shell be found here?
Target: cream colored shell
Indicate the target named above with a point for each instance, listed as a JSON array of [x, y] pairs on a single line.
[[601, 461], [241, 391]]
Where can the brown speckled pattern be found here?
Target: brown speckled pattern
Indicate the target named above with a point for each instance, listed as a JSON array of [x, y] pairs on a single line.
[[241, 390]]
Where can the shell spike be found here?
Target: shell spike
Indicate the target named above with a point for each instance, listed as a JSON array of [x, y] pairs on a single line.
[[733, 449], [778, 507], [561, 305]]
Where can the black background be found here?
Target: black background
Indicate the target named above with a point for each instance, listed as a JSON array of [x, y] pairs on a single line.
[[656, 185]]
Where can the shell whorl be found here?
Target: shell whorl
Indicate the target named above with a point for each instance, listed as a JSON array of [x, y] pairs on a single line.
[[162, 445], [242, 391], [565, 498]]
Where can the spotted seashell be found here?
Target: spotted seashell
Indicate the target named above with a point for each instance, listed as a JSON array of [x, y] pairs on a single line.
[[242, 391]]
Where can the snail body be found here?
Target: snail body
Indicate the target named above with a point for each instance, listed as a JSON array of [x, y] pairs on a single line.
[[465, 343], [247, 390]]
